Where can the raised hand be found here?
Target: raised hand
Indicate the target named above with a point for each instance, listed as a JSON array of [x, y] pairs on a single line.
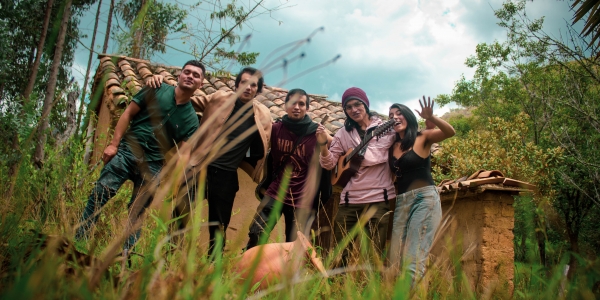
[[322, 136], [426, 108], [154, 81]]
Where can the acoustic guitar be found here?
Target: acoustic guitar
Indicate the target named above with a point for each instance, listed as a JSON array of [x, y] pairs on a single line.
[[349, 163]]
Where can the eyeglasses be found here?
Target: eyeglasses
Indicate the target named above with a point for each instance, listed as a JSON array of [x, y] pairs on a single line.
[[356, 104]]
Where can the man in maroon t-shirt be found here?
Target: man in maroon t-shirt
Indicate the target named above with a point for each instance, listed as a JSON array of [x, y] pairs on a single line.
[[293, 143]]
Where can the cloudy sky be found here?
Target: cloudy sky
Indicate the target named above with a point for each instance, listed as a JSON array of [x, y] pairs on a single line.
[[395, 50]]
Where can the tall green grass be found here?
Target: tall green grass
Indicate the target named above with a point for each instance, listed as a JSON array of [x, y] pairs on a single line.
[[47, 204]]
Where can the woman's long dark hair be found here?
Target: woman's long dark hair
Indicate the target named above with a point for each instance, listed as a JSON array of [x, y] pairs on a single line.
[[412, 127], [349, 124]]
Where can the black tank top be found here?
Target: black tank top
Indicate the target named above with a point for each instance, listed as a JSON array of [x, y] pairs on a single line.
[[412, 171]]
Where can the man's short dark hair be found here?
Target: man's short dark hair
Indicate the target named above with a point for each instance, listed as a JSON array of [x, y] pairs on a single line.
[[300, 92], [196, 63], [250, 71]]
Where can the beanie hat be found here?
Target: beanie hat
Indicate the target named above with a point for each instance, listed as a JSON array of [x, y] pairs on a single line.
[[355, 93]]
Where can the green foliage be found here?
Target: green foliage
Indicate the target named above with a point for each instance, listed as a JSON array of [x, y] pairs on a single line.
[[588, 9], [500, 145], [50, 200], [20, 27], [242, 58], [555, 82], [149, 23]]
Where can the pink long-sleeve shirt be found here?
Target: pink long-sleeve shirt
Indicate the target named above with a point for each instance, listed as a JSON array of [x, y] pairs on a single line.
[[374, 175]]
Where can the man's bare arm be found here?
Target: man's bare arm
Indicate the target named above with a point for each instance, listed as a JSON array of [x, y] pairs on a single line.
[[122, 124]]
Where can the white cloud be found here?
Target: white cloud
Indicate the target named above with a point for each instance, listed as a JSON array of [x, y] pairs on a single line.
[[395, 50]]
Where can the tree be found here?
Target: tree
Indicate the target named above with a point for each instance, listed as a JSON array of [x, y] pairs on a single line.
[[89, 66], [38, 156], [149, 25], [38, 52], [207, 27], [592, 24], [556, 83], [22, 28]]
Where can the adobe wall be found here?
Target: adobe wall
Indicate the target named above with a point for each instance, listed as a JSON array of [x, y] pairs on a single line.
[[103, 133], [477, 240]]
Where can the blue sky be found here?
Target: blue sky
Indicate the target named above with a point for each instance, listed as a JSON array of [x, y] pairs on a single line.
[[396, 51]]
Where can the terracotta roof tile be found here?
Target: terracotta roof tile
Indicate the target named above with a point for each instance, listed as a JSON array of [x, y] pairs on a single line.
[[115, 90], [485, 180], [331, 127], [126, 68], [317, 119], [270, 96], [112, 82], [105, 58], [274, 109], [219, 84], [318, 112], [122, 62], [338, 124], [276, 89], [224, 88], [119, 100], [111, 75], [210, 90], [268, 103], [261, 98], [131, 73], [128, 79]]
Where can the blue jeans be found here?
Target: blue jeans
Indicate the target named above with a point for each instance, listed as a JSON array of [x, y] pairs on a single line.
[[119, 169], [417, 216]]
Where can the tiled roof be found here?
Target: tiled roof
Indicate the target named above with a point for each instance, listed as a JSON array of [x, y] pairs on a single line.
[[481, 181], [125, 75]]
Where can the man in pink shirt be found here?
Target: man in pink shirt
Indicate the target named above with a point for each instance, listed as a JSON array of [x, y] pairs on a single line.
[[372, 185]]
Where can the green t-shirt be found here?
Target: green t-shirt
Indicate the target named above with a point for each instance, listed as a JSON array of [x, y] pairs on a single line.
[[160, 124]]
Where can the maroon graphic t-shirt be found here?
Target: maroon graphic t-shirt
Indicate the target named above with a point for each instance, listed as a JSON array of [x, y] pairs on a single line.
[[282, 142]]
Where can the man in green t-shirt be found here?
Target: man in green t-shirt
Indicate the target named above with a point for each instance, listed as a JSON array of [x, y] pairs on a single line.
[[154, 122]]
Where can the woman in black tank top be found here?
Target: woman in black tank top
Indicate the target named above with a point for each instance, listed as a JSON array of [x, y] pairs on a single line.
[[418, 212]]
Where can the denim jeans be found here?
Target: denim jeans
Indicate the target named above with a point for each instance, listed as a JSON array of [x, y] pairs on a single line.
[[417, 217], [119, 169]]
